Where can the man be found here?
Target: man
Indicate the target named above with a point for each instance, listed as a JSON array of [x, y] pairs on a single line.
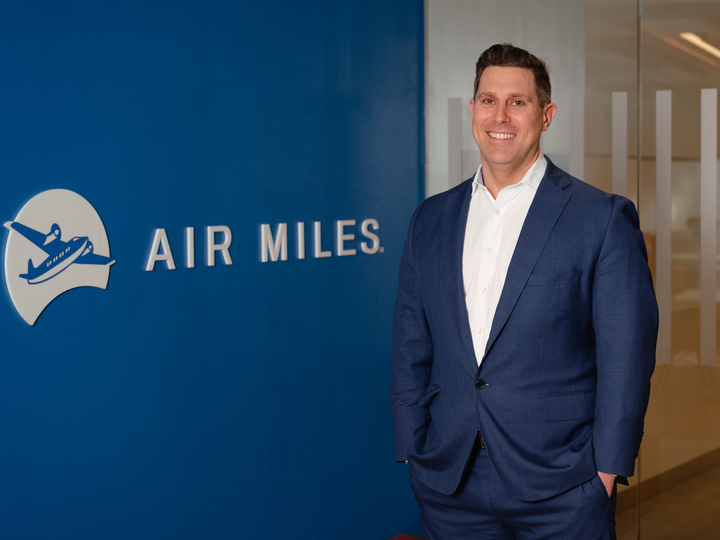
[[524, 333]]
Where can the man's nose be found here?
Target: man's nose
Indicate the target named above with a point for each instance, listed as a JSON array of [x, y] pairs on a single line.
[[501, 114]]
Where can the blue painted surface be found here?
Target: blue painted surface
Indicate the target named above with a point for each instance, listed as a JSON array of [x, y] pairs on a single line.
[[244, 401]]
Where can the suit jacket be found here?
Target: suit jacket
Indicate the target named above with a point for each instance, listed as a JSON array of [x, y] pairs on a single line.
[[565, 380]]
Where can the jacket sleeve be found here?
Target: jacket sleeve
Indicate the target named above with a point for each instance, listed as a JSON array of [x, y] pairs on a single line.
[[625, 322], [412, 354]]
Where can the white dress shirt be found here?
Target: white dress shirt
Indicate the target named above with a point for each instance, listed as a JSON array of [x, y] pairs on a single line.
[[492, 232]]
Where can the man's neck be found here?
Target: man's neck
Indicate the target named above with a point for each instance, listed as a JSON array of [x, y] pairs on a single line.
[[498, 177]]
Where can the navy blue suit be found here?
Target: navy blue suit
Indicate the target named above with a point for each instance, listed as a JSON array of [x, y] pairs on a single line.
[[564, 383]]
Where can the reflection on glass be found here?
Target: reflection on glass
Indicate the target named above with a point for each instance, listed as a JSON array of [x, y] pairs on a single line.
[[680, 457]]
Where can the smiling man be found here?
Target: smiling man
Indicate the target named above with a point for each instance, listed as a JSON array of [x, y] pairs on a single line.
[[524, 333]]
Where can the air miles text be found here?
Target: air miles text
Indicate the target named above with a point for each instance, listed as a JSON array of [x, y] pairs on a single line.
[[347, 240]]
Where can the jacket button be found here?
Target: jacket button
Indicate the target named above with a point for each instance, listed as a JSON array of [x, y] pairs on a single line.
[[480, 384]]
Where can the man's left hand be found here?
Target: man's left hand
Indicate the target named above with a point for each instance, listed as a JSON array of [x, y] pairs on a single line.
[[608, 480]]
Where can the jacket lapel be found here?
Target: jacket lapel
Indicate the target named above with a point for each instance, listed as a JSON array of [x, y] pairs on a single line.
[[549, 202], [454, 223]]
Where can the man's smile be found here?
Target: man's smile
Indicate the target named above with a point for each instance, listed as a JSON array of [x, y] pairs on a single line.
[[496, 135]]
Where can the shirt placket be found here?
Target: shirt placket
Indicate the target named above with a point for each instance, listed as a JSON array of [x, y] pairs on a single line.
[[487, 271]]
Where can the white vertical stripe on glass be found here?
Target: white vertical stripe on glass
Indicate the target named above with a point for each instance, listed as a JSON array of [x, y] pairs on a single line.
[[619, 143], [663, 226], [577, 134], [455, 138], [708, 224]]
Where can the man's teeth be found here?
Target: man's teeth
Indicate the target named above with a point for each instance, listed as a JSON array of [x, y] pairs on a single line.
[[501, 135]]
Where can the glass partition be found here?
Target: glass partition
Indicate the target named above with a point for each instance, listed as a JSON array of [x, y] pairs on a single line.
[[680, 457], [599, 68]]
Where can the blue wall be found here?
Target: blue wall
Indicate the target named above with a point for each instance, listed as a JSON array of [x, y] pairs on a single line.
[[234, 401]]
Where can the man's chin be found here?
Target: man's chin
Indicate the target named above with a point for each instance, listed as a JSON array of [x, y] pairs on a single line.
[[508, 159], [499, 160]]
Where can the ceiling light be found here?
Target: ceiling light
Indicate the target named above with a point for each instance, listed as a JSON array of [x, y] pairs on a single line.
[[700, 42]]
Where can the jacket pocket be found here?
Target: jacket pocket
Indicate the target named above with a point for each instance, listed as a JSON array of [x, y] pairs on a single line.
[[569, 406]]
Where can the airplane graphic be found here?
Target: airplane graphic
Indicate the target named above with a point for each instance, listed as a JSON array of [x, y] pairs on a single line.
[[61, 255]]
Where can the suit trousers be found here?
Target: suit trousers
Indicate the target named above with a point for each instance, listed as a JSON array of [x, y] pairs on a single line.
[[482, 508]]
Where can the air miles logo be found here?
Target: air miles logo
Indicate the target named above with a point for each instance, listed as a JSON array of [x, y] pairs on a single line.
[[57, 242]]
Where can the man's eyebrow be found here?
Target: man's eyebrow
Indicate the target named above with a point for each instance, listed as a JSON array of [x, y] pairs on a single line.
[[523, 96]]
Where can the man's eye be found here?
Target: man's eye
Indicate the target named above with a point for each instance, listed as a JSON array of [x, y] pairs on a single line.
[[517, 102], [488, 101]]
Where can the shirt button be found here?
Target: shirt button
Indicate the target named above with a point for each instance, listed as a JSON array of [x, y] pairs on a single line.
[[497, 212], [484, 290], [480, 384], [480, 331], [489, 250]]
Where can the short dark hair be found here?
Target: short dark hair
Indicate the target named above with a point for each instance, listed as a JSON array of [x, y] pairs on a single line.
[[507, 55]]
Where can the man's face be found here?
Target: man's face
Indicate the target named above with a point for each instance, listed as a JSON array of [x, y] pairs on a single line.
[[507, 118]]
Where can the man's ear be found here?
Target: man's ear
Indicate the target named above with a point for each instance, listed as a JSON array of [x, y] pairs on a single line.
[[548, 115]]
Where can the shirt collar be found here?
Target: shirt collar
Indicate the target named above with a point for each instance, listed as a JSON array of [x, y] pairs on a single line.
[[531, 179]]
